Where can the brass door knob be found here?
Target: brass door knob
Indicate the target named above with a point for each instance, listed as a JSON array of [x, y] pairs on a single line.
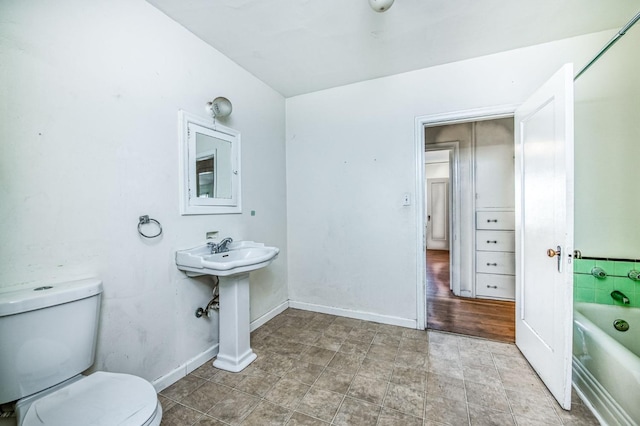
[[553, 253]]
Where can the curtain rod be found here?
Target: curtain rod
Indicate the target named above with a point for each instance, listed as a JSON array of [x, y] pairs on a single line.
[[610, 43]]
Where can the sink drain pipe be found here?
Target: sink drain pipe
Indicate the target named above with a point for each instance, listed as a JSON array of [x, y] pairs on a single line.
[[214, 303]]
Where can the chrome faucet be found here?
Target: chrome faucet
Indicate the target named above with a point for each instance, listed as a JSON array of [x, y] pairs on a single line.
[[220, 247], [620, 297]]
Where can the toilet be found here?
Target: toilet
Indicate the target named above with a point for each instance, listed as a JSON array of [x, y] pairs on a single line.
[[47, 338]]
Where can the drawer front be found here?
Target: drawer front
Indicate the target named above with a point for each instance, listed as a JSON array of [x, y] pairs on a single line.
[[496, 241], [495, 262], [496, 286], [496, 220]]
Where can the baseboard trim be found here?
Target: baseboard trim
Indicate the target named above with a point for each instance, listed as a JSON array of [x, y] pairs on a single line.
[[259, 322], [349, 313], [176, 374]]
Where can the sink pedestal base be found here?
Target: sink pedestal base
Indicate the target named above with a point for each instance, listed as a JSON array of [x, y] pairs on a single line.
[[235, 352]]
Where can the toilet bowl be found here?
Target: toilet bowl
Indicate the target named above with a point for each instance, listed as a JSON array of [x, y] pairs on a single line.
[[48, 336], [100, 399]]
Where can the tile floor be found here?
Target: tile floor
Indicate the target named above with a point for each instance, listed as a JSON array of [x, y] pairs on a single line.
[[317, 369]]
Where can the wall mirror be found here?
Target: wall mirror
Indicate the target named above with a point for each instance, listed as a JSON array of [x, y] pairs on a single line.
[[210, 167]]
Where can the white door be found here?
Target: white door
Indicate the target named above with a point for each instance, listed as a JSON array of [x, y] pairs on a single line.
[[544, 221], [438, 214]]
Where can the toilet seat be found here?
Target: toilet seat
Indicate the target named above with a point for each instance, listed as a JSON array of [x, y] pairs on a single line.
[[101, 399]]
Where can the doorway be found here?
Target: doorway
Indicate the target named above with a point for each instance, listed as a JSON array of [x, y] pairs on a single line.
[[452, 201]]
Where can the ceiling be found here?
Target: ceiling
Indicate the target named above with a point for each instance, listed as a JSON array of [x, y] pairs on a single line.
[[301, 46]]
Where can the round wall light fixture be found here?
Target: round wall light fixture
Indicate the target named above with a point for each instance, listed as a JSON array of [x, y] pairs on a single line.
[[380, 5], [220, 107]]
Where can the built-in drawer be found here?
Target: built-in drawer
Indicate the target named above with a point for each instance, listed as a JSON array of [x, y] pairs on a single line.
[[495, 262], [496, 241], [496, 220], [496, 286]]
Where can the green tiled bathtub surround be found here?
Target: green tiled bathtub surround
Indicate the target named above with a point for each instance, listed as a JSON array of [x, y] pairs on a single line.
[[583, 266], [587, 288]]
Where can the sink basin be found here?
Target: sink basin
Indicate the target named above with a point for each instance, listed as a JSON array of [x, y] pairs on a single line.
[[243, 256], [232, 269]]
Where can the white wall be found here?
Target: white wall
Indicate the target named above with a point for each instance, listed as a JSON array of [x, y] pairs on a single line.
[[607, 153], [89, 96], [351, 156]]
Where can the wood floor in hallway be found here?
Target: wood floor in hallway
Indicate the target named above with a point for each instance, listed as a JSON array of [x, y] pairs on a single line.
[[491, 319]]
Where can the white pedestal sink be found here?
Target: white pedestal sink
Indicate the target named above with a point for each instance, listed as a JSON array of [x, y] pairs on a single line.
[[232, 268]]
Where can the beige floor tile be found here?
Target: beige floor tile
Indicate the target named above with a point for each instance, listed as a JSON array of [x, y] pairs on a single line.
[[444, 351], [179, 415], [307, 337], [334, 381], [356, 412], [354, 347], [532, 405], [346, 362], [389, 417], [299, 419], [348, 322], [318, 356], [483, 374], [227, 378], [451, 368], [405, 399], [387, 340], [414, 345], [491, 397], [367, 389], [273, 363], [440, 385], [331, 343], [267, 414], [208, 421], [410, 377], [362, 335], [234, 407], [287, 393], [482, 416], [447, 411], [375, 369], [410, 359], [444, 338], [385, 353], [320, 404], [337, 330], [473, 357], [165, 402], [206, 396], [520, 380], [183, 387], [206, 370], [304, 372], [415, 334], [579, 415], [315, 369], [258, 383]]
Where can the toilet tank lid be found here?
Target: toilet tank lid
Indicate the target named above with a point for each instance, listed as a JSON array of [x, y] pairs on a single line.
[[29, 297]]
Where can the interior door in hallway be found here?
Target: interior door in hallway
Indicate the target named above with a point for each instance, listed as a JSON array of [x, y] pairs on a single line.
[[544, 232], [438, 214]]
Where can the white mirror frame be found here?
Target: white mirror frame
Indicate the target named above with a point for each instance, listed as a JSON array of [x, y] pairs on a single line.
[[193, 205]]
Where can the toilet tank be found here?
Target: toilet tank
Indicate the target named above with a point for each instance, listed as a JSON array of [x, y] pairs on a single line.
[[47, 335]]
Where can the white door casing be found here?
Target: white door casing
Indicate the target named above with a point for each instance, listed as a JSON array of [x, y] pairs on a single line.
[[438, 214], [544, 220]]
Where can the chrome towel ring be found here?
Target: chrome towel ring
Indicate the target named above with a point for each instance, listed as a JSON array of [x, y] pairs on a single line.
[[144, 220]]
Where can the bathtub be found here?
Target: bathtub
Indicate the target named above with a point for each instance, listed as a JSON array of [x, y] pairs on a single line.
[[606, 362]]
